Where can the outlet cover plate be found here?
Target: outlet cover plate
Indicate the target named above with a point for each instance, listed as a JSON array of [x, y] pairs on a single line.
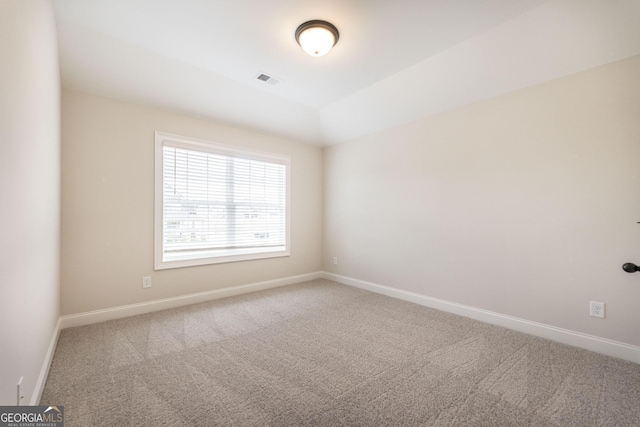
[[596, 309]]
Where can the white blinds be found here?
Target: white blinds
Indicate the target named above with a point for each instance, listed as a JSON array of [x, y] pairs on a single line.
[[220, 204]]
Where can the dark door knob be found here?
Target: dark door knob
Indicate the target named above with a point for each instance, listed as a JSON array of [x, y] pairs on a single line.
[[630, 267]]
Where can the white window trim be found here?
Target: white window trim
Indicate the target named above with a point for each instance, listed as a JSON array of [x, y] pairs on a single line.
[[213, 147]]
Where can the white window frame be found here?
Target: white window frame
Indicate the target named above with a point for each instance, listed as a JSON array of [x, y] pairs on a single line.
[[161, 140]]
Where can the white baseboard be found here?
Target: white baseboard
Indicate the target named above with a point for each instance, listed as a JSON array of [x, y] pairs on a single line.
[[46, 364], [96, 316], [589, 342], [577, 339]]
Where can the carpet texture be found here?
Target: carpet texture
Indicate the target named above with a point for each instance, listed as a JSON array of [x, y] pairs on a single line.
[[324, 354]]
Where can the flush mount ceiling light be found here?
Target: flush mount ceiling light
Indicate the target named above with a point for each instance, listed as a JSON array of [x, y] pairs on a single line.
[[317, 37]]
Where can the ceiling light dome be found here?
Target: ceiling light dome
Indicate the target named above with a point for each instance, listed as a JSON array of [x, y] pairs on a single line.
[[317, 37]]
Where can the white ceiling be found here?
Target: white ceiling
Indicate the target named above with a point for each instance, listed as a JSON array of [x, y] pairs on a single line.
[[396, 61]]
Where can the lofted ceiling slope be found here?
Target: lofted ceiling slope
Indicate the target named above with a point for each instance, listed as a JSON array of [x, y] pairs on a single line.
[[395, 62]]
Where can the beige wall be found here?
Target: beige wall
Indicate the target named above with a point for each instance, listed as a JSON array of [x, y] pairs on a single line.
[[107, 206], [30, 192], [525, 204]]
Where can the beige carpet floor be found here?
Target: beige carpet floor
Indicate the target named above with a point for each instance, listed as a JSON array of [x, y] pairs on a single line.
[[324, 354]]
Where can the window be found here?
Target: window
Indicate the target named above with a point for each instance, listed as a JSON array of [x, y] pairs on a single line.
[[218, 203]]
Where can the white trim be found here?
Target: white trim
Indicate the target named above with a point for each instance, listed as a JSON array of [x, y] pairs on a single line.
[[577, 339], [46, 364], [96, 316]]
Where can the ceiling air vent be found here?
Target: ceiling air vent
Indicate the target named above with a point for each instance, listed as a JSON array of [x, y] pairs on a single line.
[[268, 79]]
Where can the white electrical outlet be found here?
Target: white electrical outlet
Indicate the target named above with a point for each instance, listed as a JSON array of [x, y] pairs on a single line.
[[335, 260], [596, 309], [20, 396], [146, 282]]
